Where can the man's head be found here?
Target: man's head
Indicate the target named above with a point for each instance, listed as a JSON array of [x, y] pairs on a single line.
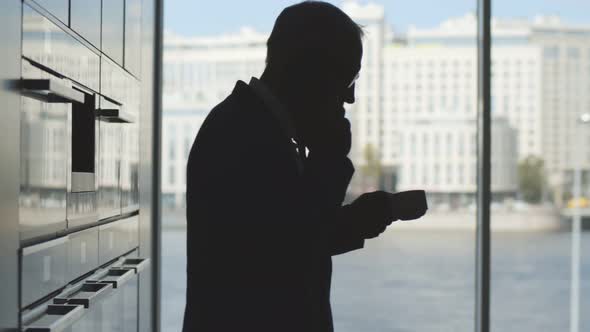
[[314, 54]]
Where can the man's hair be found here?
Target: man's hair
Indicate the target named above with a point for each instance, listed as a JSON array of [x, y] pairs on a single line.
[[313, 35]]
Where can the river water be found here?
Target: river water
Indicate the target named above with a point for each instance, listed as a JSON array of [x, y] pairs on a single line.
[[424, 281]]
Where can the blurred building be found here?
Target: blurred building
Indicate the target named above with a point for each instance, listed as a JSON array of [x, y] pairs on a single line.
[[541, 75], [205, 69], [182, 120], [540, 69], [368, 111], [440, 153], [199, 72]]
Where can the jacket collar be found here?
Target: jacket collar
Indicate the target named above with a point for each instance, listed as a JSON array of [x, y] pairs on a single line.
[[274, 105]]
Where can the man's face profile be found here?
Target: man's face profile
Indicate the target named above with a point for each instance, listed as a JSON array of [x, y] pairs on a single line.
[[321, 99], [315, 51]]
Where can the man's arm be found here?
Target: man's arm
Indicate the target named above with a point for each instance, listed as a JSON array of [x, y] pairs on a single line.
[[252, 199], [326, 181]]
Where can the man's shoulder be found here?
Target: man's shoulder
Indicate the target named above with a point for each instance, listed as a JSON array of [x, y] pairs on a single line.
[[241, 113]]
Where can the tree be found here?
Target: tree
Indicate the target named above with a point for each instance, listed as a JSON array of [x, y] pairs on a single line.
[[371, 169], [531, 178], [372, 166]]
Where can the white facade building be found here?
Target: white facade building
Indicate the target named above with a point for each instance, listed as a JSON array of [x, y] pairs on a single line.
[[198, 74], [367, 111], [422, 82], [182, 121], [205, 69], [541, 76], [439, 153]]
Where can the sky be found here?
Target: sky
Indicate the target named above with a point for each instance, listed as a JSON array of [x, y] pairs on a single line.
[[206, 18]]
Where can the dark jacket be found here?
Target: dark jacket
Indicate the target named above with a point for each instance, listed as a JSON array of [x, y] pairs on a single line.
[[261, 231]]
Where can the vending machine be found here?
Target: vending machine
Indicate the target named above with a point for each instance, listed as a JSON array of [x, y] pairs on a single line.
[[79, 146]]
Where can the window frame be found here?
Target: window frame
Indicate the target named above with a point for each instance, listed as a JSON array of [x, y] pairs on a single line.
[[483, 234]]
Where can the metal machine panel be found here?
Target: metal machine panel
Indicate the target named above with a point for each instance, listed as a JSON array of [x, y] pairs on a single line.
[[109, 192], [85, 19], [133, 36], [112, 29], [114, 81], [130, 168], [82, 252], [131, 231], [117, 238], [82, 207], [86, 294], [90, 322], [53, 317], [90, 296], [44, 153], [57, 8], [119, 310], [49, 45], [149, 166], [130, 305], [53, 37], [130, 151], [44, 269], [10, 99], [108, 246]]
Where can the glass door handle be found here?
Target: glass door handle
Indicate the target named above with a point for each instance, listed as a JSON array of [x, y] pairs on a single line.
[[138, 264], [55, 318], [115, 115], [87, 294], [51, 91], [116, 277]]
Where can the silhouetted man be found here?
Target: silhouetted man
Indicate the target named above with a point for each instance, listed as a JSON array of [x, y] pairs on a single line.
[[264, 217]]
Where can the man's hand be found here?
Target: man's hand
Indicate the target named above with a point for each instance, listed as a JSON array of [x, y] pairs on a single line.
[[331, 137], [371, 213]]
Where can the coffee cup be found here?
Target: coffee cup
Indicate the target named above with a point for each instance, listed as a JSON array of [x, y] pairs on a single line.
[[409, 205]]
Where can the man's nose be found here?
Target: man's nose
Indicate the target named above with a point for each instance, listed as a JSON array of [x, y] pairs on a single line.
[[349, 95]]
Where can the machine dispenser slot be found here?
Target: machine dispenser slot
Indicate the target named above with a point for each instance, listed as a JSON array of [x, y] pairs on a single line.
[[86, 294], [83, 146], [116, 277], [138, 264], [51, 91], [55, 318]]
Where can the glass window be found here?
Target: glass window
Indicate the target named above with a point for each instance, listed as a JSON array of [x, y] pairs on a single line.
[[413, 277], [172, 149], [573, 53], [426, 144], [533, 194], [187, 147], [171, 175], [461, 144], [551, 52], [449, 174]]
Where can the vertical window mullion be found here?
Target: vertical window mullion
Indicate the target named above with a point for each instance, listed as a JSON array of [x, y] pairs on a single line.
[[483, 250]]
